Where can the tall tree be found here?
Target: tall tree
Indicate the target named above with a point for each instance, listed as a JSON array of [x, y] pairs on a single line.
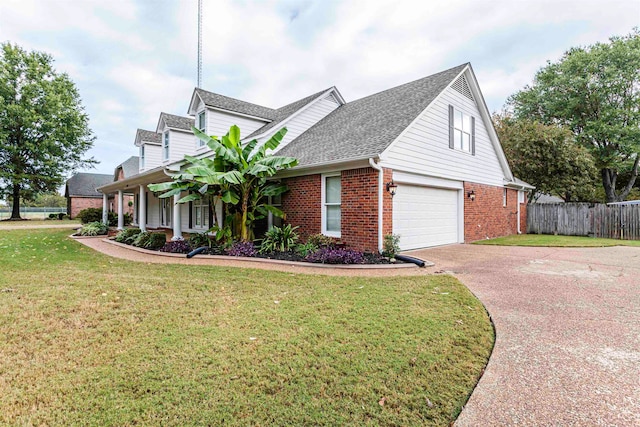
[[547, 157], [595, 92], [44, 130]]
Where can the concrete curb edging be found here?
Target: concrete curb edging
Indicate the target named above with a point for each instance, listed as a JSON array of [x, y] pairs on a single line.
[[272, 261]]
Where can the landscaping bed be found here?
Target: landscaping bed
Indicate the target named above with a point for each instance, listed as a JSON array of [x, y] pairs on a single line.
[[317, 249]]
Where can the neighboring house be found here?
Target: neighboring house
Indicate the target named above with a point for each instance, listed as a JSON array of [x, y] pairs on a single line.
[[431, 140], [80, 191], [547, 198]]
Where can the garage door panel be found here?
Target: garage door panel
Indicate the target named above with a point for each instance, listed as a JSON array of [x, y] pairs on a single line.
[[425, 216]]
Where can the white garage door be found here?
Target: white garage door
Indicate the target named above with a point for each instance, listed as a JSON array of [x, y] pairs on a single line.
[[425, 216]]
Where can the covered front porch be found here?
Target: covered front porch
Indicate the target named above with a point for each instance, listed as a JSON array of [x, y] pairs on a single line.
[[154, 213]]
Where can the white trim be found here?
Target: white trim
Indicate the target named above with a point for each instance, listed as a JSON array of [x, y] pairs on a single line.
[[380, 170], [323, 213], [298, 112], [426, 181], [262, 119]]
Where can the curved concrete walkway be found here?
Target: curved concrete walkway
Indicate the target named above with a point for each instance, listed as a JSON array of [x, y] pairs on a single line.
[[567, 333]]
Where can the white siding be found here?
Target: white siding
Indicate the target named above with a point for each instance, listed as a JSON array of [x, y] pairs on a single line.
[[180, 143], [153, 211], [152, 156], [424, 147], [307, 118], [218, 123]]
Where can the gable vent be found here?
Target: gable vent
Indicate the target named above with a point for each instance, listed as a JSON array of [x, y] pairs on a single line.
[[332, 98], [462, 86]]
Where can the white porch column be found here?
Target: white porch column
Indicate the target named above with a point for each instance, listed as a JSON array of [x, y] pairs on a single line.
[[177, 226], [142, 209], [120, 210], [105, 208]]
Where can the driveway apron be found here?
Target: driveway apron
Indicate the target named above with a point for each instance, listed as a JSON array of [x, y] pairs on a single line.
[[567, 333]]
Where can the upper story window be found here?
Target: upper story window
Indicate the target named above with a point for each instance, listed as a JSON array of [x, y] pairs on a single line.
[[202, 125], [142, 157], [165, 146], [331, 200], [461, 131]]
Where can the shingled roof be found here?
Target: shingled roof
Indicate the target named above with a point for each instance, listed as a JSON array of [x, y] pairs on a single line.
[[283, 112], [85, 184], [215, 100], [148, 136], [177, 122], [365, 127], [130, 167]]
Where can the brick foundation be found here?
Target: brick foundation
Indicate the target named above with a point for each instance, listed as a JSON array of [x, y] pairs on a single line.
[[486, 217]]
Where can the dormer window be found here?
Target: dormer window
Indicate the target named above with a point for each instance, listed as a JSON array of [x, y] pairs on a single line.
[[165, 146], [142, 157], [202, 125]]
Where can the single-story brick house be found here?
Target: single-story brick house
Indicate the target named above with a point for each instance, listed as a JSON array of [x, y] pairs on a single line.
[[430, 141], [80, 189]]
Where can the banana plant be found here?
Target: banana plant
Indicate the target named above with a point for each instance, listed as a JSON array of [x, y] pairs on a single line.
[[239, 174]]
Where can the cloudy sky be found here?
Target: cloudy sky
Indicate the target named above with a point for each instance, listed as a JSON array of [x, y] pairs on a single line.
[[132, 59]]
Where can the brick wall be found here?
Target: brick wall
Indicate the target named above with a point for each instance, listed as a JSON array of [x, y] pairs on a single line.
[[486, 217], [76, 204], [302, 204], [359, 228]]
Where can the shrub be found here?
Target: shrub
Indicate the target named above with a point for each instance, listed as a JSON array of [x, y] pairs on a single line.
[[148, 240], [198, 240], [336, 256], [176, 247], [127, 235], [391, 245], [246, 249], [90, 215], [279, 239], [112, 217], [321, 241], [305, 249], [95, 228]]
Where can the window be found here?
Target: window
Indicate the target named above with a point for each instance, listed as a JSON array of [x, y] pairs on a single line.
[[201, 213], [165, 211], [275, 221], [202, 125], [331, 212], [504, 197], [142, 157], [165, 146], [462, 131]]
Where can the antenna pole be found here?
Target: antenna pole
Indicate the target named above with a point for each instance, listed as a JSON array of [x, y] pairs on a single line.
[[199, 43]]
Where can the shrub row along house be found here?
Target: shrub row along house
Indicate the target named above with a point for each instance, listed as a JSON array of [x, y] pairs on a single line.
[[431, 142]]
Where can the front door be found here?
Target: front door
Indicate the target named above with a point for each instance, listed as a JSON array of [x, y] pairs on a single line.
[[165, 212]]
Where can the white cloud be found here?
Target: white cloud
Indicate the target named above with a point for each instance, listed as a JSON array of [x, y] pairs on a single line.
[[133, 59]]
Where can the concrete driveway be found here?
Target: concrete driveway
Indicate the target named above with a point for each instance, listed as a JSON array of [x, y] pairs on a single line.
[[567, 333]]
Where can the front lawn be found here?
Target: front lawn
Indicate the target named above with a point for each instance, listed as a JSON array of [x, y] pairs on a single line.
[[551, 240], [92, 340], [30, 222]]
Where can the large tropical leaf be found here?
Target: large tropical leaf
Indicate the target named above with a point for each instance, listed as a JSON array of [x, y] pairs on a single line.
[[230, 196], [279, 162], [273, 142], [275, 211], [163, 186], [190, 198], [274, 189]]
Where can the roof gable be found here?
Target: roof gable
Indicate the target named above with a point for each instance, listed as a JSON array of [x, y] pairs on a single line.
[[85, 184], [174, 122], [147, 136], [129, 167], [366, 127], [215, 100]]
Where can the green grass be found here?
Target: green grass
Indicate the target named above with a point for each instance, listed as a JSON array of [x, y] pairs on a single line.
[[559, 241], [92, 340], [30, 222]]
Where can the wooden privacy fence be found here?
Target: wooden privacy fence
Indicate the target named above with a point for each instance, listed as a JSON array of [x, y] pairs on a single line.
[[585, 219]]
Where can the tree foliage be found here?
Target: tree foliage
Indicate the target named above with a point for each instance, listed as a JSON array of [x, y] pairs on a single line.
[[595, 92], [547, 157], [238, 174], [44, 130]]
